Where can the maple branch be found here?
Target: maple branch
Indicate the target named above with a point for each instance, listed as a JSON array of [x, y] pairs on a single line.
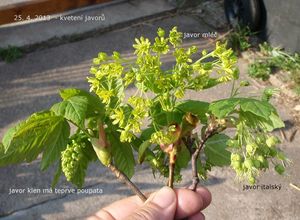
[[118, 173], [209, 132], [122, 177]]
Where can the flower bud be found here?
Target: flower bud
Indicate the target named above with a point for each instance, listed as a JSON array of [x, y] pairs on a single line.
[[248, 163], [103, 153], [251, 180], [272, 141], [250, 148], [236, 157], [237, 165]]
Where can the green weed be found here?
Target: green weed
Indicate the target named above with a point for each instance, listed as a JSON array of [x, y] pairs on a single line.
[[276, 59], [238, 39], [10, 54]]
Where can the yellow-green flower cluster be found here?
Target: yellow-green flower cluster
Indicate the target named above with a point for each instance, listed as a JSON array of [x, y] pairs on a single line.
[[175, 37], [129, 117], [227, 66], [112, 75], [142, 46], [164, 137]]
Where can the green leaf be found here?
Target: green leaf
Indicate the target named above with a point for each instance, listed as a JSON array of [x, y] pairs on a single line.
[[272, 123], [41, 131], [57, 175], [223, 107], [202, 171], [88, 155], [268, 125], [122, 154], [142, 149], [56, 145], [197, 108], [73, 109], [9, 135], [94, 107], [80, 171], [135, 143], [173, 117], [162, 118], [7, 158], [146, 133], [65, 94], [276, 121], [215, 150], [257, 107], [183, 157]]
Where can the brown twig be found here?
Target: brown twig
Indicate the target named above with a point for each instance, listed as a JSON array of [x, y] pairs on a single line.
[[195, 179], [171, 175], [172, 160], [210, 131], [189, 143], [283, 135], [121, 176], [102, 140], [293, 135]]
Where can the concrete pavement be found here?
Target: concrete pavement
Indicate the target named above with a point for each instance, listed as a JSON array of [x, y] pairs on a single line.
[[80, 23]]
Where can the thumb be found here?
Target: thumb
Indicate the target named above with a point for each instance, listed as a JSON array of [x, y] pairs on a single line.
[[160, 205]]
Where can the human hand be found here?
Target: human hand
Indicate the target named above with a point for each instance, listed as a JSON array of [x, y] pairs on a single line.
[[165, 204]]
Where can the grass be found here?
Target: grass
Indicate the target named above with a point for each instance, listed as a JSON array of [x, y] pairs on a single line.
[[274, 59], [238, 39], [10, 54]]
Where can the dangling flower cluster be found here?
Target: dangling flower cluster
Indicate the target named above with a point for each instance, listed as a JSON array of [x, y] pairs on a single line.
[[71, 158], [252, 151]]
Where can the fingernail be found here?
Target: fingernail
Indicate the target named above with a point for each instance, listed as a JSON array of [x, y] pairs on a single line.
[[165, 197]]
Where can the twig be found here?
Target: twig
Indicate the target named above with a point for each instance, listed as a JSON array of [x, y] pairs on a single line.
[[208, 133], [121, 176], [189, 143], [294, 186], [172, 160], [293, 135], [118, 173], [171, 175], [195, 179], [283, 134]]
